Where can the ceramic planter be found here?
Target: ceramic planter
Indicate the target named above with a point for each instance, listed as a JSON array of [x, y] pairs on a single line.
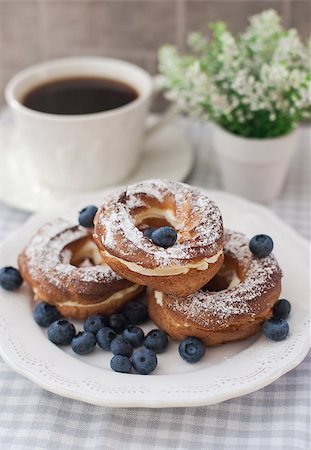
[[254, 168]]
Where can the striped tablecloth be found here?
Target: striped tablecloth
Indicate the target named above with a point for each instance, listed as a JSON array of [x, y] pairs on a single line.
[[276, 417]]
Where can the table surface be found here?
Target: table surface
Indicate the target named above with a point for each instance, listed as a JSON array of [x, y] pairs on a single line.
[[276, 417]]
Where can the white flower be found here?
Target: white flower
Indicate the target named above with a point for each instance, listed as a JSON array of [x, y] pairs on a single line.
[[265, 70]]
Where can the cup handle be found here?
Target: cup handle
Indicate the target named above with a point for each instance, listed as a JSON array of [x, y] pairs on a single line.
[[166, 116]]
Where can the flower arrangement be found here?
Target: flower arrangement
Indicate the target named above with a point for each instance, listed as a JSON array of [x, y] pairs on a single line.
[[256, 84]]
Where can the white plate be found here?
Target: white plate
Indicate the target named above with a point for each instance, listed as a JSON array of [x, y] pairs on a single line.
[[226, 371], [167, 154]]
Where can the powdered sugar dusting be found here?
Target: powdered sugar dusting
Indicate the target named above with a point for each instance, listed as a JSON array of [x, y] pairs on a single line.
[[236, 245], [48, 257], [206, 307], [199, 221]]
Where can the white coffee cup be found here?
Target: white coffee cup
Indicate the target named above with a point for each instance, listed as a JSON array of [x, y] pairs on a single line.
[[87, 151]]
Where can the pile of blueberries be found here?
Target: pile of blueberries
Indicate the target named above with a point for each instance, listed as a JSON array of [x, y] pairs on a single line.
[[119, 334]]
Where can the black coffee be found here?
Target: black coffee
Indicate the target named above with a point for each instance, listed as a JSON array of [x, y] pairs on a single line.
[[83, 95]]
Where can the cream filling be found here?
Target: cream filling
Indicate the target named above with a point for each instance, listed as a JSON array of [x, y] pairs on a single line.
[[116, 296], [203, 264]]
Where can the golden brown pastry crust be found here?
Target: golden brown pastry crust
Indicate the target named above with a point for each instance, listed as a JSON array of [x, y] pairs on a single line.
[[194, 216], [77, 292], [228, 315]]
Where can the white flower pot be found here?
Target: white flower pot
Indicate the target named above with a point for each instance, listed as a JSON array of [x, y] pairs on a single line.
[[254, 168]]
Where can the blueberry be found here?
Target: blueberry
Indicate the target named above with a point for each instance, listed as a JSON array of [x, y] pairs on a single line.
[[135, 313], [95, 323], [83, 343], [45, 314], [275, 329], [134, 335], [10, 278], [104, 337], [156, 340], [86, 216], [148, 232], [120, 346], [261, 245], [191, 349], [61, 332], [281, 309], [144, 361], [164, 237], [120, 363], [117, 322]]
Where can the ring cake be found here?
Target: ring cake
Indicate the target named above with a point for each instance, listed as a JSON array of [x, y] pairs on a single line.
[[181, 269], [63, 266], [232, 306]]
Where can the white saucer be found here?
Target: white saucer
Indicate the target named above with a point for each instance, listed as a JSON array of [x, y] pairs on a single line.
[[167, 154], [226, 371]]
